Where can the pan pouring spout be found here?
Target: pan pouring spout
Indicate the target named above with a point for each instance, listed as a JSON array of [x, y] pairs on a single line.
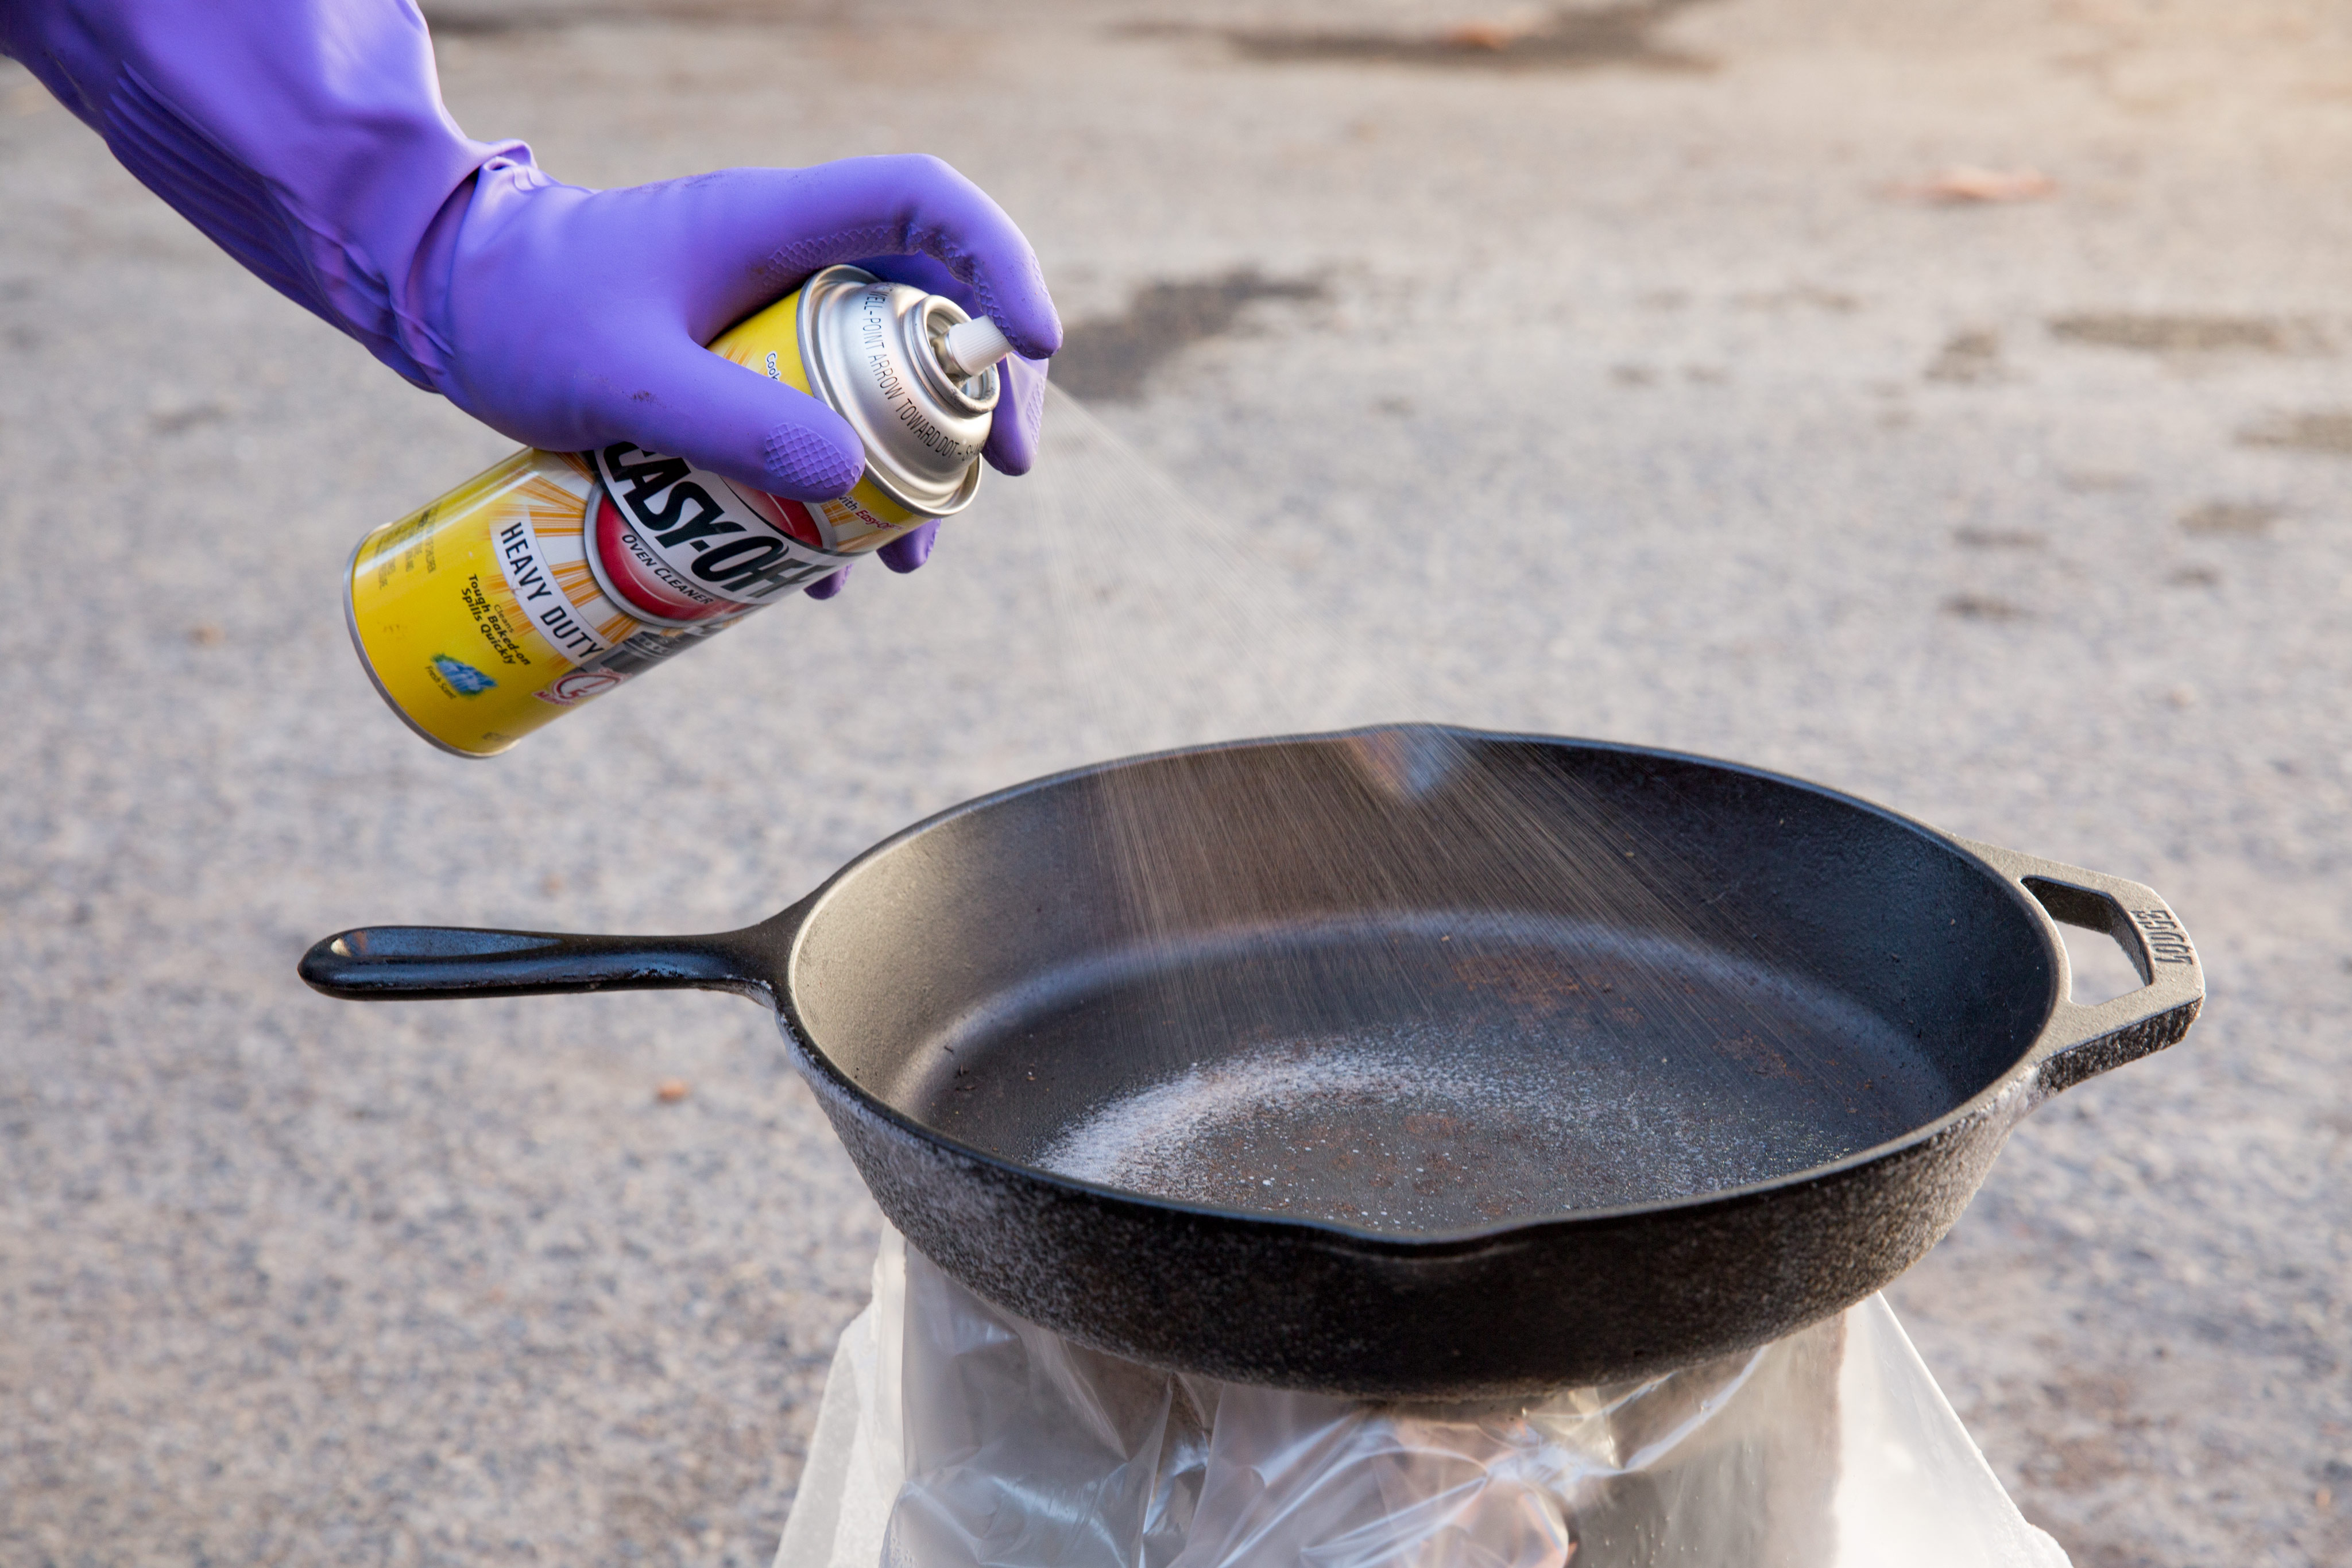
[[1407, 761]]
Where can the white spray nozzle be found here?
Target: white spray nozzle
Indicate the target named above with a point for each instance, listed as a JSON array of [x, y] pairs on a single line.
[[971, 346]]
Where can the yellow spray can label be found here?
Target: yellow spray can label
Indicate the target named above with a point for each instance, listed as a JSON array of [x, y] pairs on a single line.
[[471, 612]]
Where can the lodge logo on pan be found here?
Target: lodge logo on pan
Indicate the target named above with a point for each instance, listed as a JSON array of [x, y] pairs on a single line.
[[2167, 942]]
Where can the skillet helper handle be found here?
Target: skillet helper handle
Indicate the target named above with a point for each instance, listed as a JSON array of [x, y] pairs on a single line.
[[415, 963], [2080, 1041]]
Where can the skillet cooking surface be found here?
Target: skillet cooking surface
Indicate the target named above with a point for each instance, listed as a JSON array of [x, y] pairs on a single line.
[[1426, 1076]]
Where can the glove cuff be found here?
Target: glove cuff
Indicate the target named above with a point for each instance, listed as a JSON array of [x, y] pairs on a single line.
[[307, 137]]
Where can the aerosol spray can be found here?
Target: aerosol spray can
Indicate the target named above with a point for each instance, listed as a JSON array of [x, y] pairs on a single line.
[[555, 575]]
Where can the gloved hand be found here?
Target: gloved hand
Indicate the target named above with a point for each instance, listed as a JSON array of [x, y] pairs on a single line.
[[308, 139]]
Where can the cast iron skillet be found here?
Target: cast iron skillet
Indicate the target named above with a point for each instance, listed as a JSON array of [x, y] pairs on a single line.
[[1426, 1115]]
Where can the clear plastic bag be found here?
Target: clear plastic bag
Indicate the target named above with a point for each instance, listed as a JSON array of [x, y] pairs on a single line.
[[954, 1435]]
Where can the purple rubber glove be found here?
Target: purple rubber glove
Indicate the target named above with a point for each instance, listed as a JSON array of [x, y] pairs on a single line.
[[308, 139]]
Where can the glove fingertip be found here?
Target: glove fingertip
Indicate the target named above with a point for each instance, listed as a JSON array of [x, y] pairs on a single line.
[[1011, 452], [828, 586], [1033, 327], [812, 464], [908, 552], [1020, 418]]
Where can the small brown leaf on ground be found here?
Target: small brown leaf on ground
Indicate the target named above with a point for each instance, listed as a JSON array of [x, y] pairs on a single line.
[[1964, 184], [2094, 479], [670, 1091], [2328, 431], [2231, 519], [1486, 35]]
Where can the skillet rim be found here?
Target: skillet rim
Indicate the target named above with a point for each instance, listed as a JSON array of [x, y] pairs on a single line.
[[2015, 1083]]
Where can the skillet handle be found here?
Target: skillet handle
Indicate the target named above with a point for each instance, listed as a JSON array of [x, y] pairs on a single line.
[[408, 963], [2080, 1041]]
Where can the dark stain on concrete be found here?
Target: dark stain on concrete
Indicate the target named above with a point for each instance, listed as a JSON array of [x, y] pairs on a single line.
[[2324, 431], [1967, 359], [1568, 38], [474, 19], [1999, 538], [2187, 334], [1113, 359], [1984, 607], [172, 421], [499, 18]]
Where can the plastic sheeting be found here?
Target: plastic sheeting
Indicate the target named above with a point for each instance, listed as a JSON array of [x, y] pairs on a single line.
[[954, 1435]]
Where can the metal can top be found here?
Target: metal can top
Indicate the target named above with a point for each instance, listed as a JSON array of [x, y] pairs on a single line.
[[872, 350]]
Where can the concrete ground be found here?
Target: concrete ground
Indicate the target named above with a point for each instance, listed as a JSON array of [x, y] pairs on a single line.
[[1615, 373]]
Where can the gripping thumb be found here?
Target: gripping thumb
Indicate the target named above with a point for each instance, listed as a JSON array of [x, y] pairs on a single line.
[[729, 418]]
